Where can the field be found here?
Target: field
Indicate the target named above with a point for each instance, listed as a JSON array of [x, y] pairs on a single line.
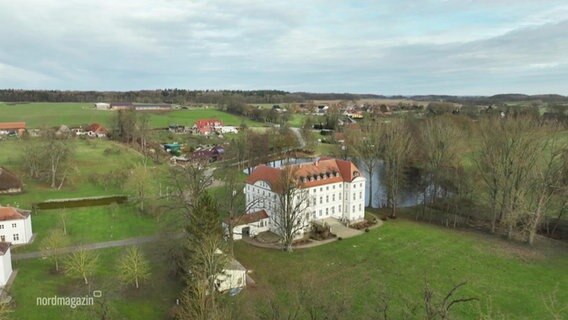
[[398, 258], [36, 278], [38, 115]]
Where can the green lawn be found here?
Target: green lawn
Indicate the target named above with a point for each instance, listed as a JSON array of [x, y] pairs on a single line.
[[92, 224], [37, 115], [89, 159], [398, 258], [152, 301]]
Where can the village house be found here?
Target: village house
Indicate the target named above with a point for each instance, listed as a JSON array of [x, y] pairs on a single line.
[[211, 154], [12, 128], [5, 263], [335, 189], [207, 126], [234, 276], [96, 130], [9, 182], [102, 106], [15, 225]]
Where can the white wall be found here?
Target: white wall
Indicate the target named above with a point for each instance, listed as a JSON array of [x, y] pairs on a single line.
[[23, 229], [5, 267], [231, 279]]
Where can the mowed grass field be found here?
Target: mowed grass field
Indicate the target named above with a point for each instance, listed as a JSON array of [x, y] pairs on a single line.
[[38, 115], [153, 300], [398, 258]]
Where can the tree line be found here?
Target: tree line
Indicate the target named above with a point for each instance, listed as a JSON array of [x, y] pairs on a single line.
[[509, 174]]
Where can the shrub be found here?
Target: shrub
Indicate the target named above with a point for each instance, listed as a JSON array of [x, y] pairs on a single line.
[[339, 238], [366, 229]]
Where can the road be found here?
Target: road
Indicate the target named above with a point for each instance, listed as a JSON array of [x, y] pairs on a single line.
[[96, 246], [298, 134]]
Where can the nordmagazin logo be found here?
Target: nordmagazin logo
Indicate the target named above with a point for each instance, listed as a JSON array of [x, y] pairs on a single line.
[[72, 302]]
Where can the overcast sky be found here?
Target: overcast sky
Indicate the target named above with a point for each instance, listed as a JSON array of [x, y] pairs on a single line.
[[465, 47]]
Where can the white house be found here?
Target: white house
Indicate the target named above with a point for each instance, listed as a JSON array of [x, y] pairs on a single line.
[[249, 224], [102, 106], [227, 129], [334, 188], [234, 276], [15, 225], [5, 263]]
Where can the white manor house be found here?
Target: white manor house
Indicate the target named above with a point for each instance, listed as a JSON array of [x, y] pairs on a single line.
[[335, 189]]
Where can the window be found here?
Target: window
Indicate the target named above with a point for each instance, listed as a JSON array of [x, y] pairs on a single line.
[[340, 186], [333, 197], [327, 199], [354, 186], [359, 207], [321, 189], [2, 238], [339, 208], [360, 195], [340, 196], [327, 188], [353, 208], [326, 211], [333, 210], [333, 187], [16, 237], [1, 226], [13, 225], [321, 200]]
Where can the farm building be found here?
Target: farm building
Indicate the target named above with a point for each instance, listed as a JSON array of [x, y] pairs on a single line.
[[9, 182], [227, 129], [234, 276], [5, 263], [209, 154], [12, 128], [248, 225], [207, 126], [15, 225], [96, 130], [102, 106]]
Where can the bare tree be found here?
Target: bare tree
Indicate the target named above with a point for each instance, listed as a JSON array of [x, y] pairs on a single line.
[[133, 267], [364, 145], [80, 264], [441, 310], [51, 246], [396, 145], [292, 204]]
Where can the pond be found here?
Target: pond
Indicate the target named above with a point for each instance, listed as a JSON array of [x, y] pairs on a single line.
[[410, 194]]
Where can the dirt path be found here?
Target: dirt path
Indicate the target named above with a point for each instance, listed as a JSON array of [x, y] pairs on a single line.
[[98, 245]]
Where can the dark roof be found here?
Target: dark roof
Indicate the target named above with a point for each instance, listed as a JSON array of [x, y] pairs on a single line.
[[8, 180], [248, 218], [4, 246]]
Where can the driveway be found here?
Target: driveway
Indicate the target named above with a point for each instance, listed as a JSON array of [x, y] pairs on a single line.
[[340, 230]]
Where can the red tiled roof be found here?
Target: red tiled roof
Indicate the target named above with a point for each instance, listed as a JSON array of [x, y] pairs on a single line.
[[9, 213], [322, 172], [12, 125], [248, 218], [207, 123]]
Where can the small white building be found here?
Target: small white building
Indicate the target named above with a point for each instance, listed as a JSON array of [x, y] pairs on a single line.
[[334, 188], [102, 106], [234, 276], [5, 263], [15, 225], [247, 225], [227, 129]]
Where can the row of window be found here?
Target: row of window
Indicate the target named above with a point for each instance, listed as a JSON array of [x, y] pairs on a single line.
[[13, 226], [15, 236]]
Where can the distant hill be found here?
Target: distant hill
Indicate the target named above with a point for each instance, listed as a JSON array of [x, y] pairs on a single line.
[[183, 96]]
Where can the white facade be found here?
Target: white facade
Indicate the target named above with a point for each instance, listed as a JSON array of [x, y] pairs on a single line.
[[102, 106], [5, 266], [234, 276], [16, 231], [227, 129], [341, 198]]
